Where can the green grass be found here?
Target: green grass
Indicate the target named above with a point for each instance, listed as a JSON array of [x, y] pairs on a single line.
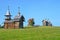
[[33, 33]]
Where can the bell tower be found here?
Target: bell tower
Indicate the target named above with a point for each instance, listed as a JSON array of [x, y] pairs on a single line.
[[8, 22], [8, 15]]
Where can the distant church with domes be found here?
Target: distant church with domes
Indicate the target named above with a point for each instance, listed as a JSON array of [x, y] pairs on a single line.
[[15, 23]]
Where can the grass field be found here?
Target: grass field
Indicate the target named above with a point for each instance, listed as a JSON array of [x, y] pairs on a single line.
[[33, 33]]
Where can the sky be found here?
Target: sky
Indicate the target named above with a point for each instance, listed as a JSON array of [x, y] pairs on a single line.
[[37, 9]]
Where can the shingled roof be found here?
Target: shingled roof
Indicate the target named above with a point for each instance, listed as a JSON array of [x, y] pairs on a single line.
[[17, 17]]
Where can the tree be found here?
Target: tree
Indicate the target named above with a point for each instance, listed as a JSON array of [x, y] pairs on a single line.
[[22, 19]]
